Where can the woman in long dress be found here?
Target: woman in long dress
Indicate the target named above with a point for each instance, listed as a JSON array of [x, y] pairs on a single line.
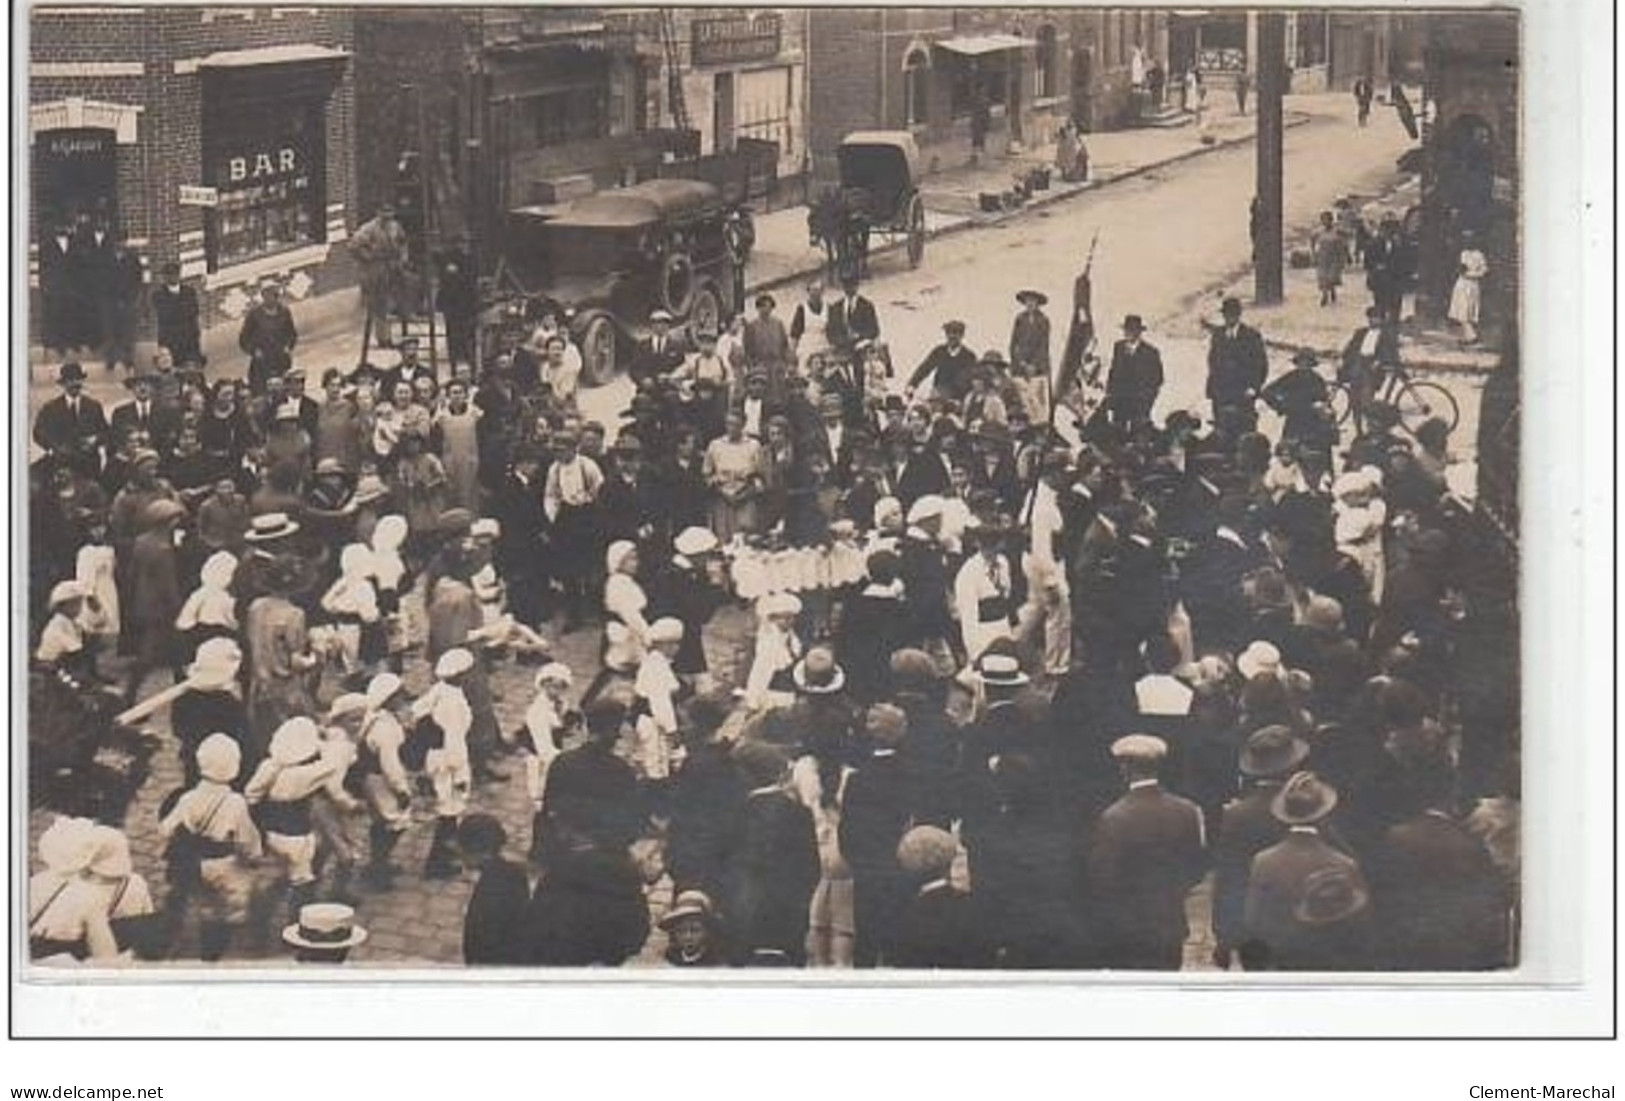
[[1467, 296], [733, 469]]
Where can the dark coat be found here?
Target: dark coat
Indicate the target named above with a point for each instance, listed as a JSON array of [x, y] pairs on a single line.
[[494, 924], [269, 336], [592, 793], [1246, 828], [59, 431], [950, 372], [871, 629], [650, 362], [689, 596], [1029, 342], [876, 811], [771, 876], [707, 808], [924, 472], [926, 588], [1147, 852], [588, 910], [177, 314], [1275, 887], [161, 425], [941, 928], [1134, 380], [848, 325], [1236, 365], [1438, 901], [198, 714], [1026, 864]]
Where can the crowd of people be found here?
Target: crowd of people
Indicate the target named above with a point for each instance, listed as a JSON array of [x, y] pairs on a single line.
[[1021, 677]]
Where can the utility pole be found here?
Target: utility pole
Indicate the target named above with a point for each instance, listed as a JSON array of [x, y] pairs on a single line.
[[1268, 287]]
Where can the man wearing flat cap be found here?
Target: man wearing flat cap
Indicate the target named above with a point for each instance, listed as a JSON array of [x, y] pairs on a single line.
[[1149, 849], [949, 365], [1135, 377]]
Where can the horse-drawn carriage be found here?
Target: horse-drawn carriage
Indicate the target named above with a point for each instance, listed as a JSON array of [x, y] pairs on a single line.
[[877, 194]]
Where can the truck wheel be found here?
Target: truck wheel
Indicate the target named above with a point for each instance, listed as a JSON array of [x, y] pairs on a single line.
[[598, 351]]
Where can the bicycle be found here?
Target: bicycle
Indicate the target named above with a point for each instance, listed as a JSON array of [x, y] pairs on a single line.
[[1416, 401]]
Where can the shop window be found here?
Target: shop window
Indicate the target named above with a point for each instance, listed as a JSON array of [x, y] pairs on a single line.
[[568, 115], [267, 160], [916, 88], [1047, 63]]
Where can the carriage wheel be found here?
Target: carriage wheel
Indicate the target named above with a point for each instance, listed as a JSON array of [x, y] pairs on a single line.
[[1420, 402], [916, 231], [1341, 401], [598, 351]]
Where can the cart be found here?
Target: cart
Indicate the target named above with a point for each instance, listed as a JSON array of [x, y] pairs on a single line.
[[877, 196]]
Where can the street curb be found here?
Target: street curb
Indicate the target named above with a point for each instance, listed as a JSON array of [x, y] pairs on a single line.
[[778, 281]]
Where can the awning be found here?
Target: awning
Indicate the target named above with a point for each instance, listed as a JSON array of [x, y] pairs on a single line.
[[270, 55], [978, 44]]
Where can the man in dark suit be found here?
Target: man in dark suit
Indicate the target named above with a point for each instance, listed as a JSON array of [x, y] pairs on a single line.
[[1438, 900], [1030, 336], [993, 466], [1135, 377], [71, 428], [773, 867], [852, 320], [521, 546], [1236, 369], [949, 365], [175, 307], [938, 926], [660, 352], [1277, 888], [143, 413], [93, 247], [833, 438], [1149, 849], [1246, 828], [591, 793], [876, 812], [843, 380], [61, 295], [267, 337], [1370, 348]]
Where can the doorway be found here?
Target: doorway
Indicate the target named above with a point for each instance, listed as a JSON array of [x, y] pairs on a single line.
[[76, 174], [722, 113]]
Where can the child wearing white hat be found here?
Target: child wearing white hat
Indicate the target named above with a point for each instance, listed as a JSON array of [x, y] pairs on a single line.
[[655, 692], [778, 649], [385, 783], [283, 788], [1360, 519], [442, 720], [222, 839], [351, 604]]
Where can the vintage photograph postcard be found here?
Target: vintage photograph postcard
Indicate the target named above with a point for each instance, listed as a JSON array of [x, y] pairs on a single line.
[[878, 490]]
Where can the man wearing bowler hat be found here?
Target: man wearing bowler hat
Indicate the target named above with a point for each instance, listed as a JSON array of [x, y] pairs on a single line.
[[71, 428], [1236, 369], [1149, 849], [853, 319], [950, 365], [1135, 378], [1030, 335]]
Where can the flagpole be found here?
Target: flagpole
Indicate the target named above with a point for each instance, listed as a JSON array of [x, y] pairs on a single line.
[[1065, 369]]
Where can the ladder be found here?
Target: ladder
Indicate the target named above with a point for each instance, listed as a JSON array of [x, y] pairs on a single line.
[[674, 69]]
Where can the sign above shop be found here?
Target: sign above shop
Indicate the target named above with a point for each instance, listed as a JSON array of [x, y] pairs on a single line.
[[737, 38], [199, 196], [77, 143]]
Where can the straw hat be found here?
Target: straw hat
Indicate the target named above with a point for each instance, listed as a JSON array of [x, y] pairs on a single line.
[[325, 925]]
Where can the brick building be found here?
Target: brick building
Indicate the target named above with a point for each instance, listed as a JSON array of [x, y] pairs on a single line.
[[541, 105], [216, 137]]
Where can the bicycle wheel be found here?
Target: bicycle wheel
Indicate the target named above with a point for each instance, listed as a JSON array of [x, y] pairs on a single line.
[[1420, 402], [1342, 402]]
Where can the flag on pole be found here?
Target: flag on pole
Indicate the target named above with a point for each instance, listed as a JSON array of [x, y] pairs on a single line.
[[1407, 113], [1080, 336]]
